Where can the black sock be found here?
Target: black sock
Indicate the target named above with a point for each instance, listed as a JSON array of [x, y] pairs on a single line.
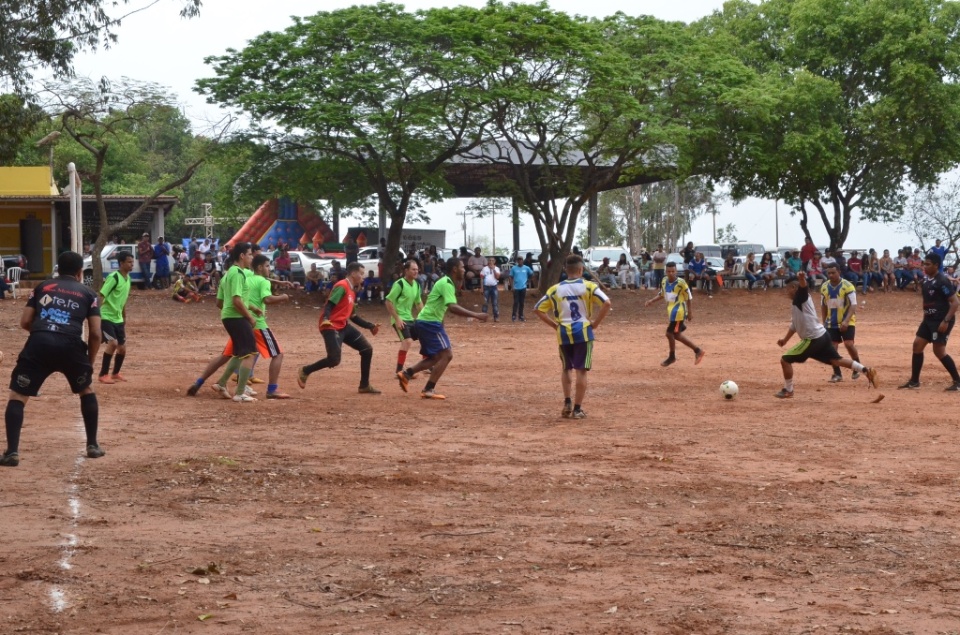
[[408, 373], [567, 401], [399, 367], [105, 366], [430, 386], [118, 363], [91, 414], [14, 421], [576, 407], [951, 367], [917, 365]]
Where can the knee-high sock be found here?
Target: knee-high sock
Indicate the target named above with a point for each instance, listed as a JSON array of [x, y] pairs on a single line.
[[118, 362], [951, 367], [105, 366], [366, 356], [14, 421], [91, 416], [401, 360], [232, 366], [917, 366]]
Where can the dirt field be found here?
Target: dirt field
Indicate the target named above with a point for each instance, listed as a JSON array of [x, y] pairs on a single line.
[[667, 510]]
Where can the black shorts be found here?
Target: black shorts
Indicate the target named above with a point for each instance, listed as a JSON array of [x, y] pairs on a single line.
[[820, 349], [408, 332], [45, 354], [929, 331], [836, 335], [241, 336], [113, 332], [677, 327]]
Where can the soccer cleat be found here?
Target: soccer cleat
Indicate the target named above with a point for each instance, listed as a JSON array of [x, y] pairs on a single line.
[[221, 390], [301, 378], [954, 387], [105, 379], [700, 353], [255, 380], [118, 377], [855, 376], [247, 390], [404, 380], [668, 361], [244, 398], [277, 395], [910, 385], [94, 451], [871, 374], [193, 390], [836, 379], [429, 394], [578, 414], [784, 394], [368, 390], [10, 459], [567, 412]]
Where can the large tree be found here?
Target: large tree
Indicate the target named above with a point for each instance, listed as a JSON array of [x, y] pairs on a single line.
[[390, 94], [103, 120], [858, 99]]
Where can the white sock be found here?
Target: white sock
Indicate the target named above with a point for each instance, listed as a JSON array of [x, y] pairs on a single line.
[[858, 367], [788, 385]]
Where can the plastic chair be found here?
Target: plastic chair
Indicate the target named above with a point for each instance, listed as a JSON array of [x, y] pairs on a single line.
[[13, 279]]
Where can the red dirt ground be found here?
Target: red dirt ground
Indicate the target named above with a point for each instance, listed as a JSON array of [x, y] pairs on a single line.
[[668, 510]]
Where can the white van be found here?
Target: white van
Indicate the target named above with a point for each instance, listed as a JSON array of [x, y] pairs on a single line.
[[593, 257]]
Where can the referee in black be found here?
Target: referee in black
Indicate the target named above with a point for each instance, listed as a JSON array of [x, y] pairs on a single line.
[[54, 316]]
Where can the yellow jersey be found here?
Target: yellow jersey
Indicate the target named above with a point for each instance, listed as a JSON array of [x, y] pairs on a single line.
[[676, 293], [571, 303], [838, 300]]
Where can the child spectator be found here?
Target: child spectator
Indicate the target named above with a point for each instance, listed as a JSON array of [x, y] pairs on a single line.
[[372, 288]]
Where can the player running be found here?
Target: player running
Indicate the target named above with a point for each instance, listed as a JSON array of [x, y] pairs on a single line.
[[940, 305], [814, 340], [340, 307], [402, 302], [113, 314], [239, 323], [260, 295], [676, 292], [434, 342], [571, 308]]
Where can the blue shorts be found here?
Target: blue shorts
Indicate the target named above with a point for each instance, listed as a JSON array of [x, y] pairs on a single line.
[[433, 338]]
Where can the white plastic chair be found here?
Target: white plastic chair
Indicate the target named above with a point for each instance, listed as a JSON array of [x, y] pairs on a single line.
[[13, 279]]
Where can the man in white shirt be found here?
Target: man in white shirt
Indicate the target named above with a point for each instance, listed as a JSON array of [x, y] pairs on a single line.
[[204, 247], [474, 265], [491, 278], [814, 340]]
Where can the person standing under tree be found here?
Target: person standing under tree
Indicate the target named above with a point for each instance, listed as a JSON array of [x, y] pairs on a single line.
[[838, 307], [341, 306], [403, 301], [144, 257], [676, 292], [571, 309], [113, 317], [940, 305], [490, 275], [435, 345], [814, 340], [54, 316], [521, 274]]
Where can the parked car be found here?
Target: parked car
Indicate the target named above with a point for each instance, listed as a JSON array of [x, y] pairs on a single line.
[[678, 259], [108, 260], [13, 260], [300, 262], [593, 257], [710, 251], [368, 257], [741, 249]]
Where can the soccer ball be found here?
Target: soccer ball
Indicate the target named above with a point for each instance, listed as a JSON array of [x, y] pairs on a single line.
[[729, 389]]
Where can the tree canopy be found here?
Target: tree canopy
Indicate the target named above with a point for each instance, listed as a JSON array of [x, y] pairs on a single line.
[[857, 99]]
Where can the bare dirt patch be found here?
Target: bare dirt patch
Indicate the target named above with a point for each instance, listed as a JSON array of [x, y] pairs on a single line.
[[667, 510]]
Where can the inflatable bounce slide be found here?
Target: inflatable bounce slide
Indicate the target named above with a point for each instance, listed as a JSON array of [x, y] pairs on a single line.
[[284, 221]]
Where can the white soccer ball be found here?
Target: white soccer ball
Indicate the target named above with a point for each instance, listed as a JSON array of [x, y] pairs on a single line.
[[729, 389]]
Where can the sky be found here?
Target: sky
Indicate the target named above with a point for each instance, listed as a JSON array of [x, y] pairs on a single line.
[[156, 45]]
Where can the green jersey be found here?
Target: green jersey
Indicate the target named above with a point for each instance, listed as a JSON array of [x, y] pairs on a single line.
[[404, 296], [258, 289], [233, 284], [444, 293], [115, 291]]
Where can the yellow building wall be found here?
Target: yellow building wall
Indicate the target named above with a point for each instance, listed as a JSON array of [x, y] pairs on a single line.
[[11, 213], [34, 181]]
